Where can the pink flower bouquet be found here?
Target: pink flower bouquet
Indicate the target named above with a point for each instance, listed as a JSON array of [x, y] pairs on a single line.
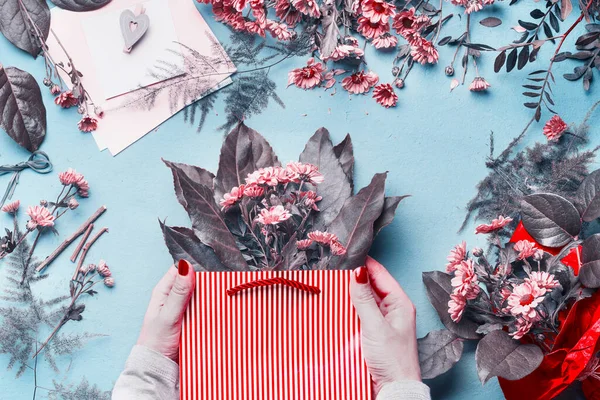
[[257, 214]]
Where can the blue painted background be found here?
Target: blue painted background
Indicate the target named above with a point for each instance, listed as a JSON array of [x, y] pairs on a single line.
[[433, 144]]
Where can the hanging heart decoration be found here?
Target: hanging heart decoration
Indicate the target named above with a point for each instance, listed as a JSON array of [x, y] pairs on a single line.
[[133, 27]]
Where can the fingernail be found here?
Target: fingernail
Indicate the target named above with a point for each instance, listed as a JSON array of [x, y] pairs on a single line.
[[362, 275], [183, 267]]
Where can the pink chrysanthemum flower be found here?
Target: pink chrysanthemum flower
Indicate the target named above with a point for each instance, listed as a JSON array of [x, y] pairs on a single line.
[[404, 22], [555, 128], [378, 10], [12, 208], [479, 85], [307, 77], [280, 31], [424, 52], [524, 299], [465, 280], [286, 13], [229, 15], [371, 30], [83, 187], [543, 280], [385, 41], [69, 177], [39, 216], [384, 95], [103, 269], [307, 7], [270, 176], [73, 203], [525, 248], [310, 199], [457, 255], [523, 326], [66, 99], [456, 306], [301, 172], [493, 226], [304, 244], [360, 82], [325, 238], [239, 5], [273, 215], [253, 190], [343, 51], [231, 198], [87, 124], [337, 249]]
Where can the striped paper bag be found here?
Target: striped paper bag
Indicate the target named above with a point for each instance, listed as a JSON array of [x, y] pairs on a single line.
[[272, 336]]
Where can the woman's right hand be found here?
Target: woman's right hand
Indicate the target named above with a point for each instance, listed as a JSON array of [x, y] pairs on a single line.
[[388, 324]]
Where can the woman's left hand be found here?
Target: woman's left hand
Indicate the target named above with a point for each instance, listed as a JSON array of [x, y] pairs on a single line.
[[161, 329]]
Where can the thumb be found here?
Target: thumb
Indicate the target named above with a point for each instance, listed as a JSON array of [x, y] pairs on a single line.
[[181, 291], [363, 299]]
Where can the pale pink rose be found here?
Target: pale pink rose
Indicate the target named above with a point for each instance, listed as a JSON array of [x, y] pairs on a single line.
[[40, 216], [231, 198], [253, 191], [325, 238], [543, 280], [12, 208], [337, 249], [360, 82], [378, 10], [524, 299], [525, 248], [456, 306], [555, 128], [109, 281], [523, 327], [465, 280], [302, 172], [307, 7], [479, 85], [496, 224], [310, 199], [87, 124], [66, 99], [384, 95], [424, 52], [103, 269], [304, 244], [286, 13], [385, 41], [371, 30], [457, 255], [273, 215], [307, 77]]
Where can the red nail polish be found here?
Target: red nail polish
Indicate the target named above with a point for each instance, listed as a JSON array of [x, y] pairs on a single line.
[[362, 275], [183, 267]]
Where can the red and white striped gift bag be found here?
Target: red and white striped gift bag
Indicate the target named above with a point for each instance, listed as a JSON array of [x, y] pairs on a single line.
[[273, 342]]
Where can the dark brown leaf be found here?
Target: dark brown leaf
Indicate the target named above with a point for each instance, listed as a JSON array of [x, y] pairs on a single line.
[[15, 25], [354, 223], [345, 153], [491, 22], [438, 352], [511, 60], [499, 62], [590, 262], [523, 57], [587, 197], [551, 219], [196, 174], [22, 111], [80, 5], [390, 204], [336, 188]]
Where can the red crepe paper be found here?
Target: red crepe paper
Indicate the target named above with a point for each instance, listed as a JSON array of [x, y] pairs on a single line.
[[573, 259], [574, 347]]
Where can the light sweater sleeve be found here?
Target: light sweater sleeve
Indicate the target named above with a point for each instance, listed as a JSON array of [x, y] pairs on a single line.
[[148, 375], [404, 390]]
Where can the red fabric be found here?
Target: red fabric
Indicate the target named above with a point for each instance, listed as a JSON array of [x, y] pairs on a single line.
[[573, 259], [574, 347]]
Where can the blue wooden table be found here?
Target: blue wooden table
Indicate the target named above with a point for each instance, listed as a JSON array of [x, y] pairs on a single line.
[[434, 145]]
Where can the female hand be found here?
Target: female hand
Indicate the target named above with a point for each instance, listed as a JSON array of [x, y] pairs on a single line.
[[388, 323], [162, 324]]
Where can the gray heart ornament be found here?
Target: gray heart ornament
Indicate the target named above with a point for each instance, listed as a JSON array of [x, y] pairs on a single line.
[[131, 36]]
